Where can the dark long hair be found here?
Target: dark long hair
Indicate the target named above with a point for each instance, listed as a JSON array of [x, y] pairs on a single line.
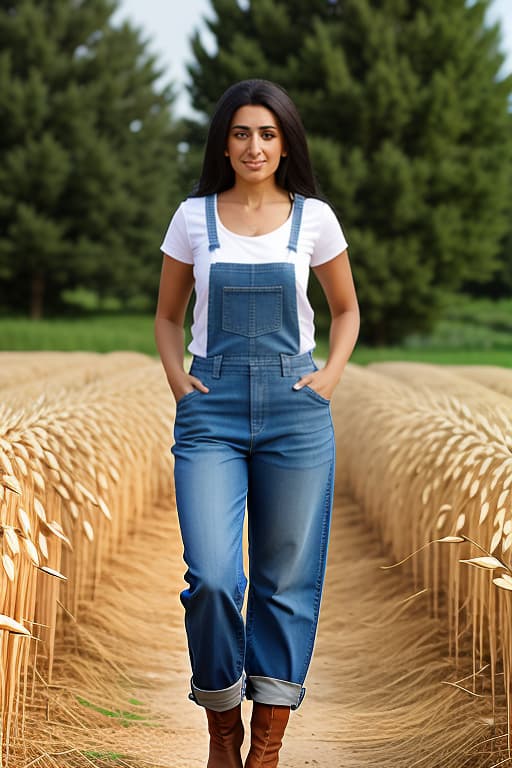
[[295, 172]]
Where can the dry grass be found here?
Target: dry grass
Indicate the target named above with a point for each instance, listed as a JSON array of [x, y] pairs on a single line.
[[429, 459], [413, 662], [80, 461]]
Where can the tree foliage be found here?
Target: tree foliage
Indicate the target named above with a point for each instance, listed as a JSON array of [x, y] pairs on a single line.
[[408, 123], [87, 154]]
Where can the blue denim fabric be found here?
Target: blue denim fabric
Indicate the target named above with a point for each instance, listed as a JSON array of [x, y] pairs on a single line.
[[252, 440]]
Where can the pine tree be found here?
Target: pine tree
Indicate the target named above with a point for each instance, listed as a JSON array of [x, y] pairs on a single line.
[[409, 130], [87, 152]]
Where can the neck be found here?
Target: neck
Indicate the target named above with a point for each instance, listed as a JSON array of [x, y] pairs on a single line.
[[255, 195]]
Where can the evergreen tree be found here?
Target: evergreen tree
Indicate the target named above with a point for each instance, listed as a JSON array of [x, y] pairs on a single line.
[[409, 130], [87, 154]]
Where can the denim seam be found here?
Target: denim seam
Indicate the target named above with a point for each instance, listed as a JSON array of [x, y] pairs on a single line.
[[321, 566], [286, 684], [230, 324], [251, 275], [187, 396], [211, 223], [266, 266], [241, 632], [298, 207], [315, 395], [250, 608]]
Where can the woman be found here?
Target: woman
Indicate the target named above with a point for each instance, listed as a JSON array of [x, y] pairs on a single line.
[[253, 423]]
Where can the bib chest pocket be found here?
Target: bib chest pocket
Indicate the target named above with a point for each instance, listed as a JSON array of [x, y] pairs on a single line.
[[252, 311]]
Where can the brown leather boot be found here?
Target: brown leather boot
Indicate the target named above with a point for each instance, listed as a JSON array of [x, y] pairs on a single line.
[[226, 736], [268, 724]]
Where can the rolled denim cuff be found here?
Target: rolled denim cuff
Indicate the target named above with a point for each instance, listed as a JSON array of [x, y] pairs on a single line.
[[270, 690], [220, 700]]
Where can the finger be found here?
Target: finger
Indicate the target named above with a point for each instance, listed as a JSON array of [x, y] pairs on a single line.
[[198, 384], [302, 382]]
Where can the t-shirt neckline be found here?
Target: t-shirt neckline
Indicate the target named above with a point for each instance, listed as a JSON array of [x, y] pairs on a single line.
[[275, 231]]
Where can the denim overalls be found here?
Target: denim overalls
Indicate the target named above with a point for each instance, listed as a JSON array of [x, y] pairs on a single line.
[[253, 439]]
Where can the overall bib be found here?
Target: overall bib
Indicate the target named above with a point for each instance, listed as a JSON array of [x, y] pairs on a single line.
[[253, 439]]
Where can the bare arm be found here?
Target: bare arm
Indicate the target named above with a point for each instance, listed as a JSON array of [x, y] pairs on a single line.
[[335, 277], [176, 284]]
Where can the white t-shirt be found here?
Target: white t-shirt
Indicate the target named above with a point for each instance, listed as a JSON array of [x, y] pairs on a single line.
[[320, 239]]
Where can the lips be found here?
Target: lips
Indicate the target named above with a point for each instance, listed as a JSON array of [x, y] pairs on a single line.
[[254, 165]]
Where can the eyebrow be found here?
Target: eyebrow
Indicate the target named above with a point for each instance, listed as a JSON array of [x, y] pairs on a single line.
[[247, 127]]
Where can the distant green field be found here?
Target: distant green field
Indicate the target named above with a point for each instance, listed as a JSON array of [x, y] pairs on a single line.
[[101, 333], [477, 332], [501, 357]]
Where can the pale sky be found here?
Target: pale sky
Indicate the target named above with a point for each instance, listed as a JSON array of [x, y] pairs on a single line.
[[170, 25]]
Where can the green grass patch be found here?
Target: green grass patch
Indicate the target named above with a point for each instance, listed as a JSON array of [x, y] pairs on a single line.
[[470, 332], [364, 355], [99, 333], [124, 716], [107, 757]]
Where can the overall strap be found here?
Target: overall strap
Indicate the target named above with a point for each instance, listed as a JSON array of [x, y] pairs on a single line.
[[298, 207], [211, 223]]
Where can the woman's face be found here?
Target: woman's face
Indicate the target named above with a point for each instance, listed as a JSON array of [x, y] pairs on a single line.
[[255, 143]]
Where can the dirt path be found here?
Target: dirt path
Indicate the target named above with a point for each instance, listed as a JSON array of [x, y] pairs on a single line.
[[375, 695]]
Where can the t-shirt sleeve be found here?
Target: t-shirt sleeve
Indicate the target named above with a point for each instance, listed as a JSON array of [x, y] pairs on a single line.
[[331, 240], [176, 242]]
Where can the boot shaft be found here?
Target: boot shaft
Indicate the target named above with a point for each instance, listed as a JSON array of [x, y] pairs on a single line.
[[226, 736], [268, 724]]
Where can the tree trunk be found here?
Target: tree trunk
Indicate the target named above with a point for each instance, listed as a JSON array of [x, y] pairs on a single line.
[[37, 296]]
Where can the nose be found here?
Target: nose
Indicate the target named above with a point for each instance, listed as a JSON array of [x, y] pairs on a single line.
[[254, 148]]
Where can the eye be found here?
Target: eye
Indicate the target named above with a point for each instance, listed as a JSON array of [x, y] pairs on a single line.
[[240, 134], [268, 135]]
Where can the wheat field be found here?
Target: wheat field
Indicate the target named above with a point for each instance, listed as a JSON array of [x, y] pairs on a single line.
[[413, 659]]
